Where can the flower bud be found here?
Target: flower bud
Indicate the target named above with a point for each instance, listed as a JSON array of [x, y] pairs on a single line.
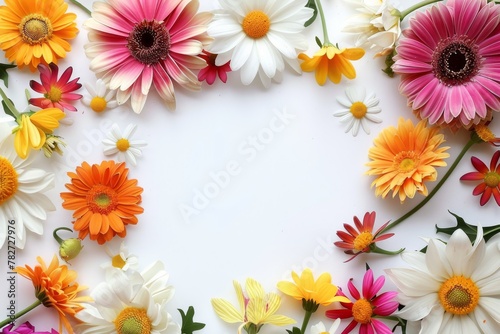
[[68, 248]]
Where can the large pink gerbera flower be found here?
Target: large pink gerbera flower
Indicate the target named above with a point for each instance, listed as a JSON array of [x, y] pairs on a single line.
[[138, 43], [449, 59]]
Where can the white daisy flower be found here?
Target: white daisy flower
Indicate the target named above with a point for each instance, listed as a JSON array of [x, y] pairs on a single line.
[[23, 206], [359, 109], [121, 260], [321, 329], [100, 98], [453, 287], [259, 37], [133, 303], [378, 25], [121, 143]]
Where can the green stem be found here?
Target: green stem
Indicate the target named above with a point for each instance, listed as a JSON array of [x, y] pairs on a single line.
[[20, 314], [307, 317], [415, 7], [474, 139], [9, 104], [378, 250], [78, 4], [58, 238], [326, 39]]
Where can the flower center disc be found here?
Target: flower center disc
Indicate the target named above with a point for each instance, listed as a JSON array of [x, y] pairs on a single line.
[[358, 110], [256, 24], [149, 42], [98, 104], [54, 94], [132, 320], [459, 295], [8, 180], [101, 199], [406, 161], [362, 241], [35, 28], [492, 179], [362, 311], [455, 61], [118, 262], [122, 144]]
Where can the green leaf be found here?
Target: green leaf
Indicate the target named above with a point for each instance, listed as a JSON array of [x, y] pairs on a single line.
[[295, 330], [388, 63], [188, 324], [470, 230], [7, 110], [3, 73], [318, 41], [311, 4]]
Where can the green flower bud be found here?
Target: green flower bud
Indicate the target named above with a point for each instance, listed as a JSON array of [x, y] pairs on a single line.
[[69, 248]]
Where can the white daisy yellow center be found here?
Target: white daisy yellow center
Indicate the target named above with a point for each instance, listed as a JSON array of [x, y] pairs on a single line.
[[358, 110], [362, 311], [256, 24], [35, 28], [122, 144], [8, 180], [98, 103], [54, 94], [363, 240], [118, 262], [459, 295], [133, 320]]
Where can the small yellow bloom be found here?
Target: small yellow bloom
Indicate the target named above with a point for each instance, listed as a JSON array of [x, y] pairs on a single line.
[[331, 62], [311, 292], [255, 310], [32, 130]]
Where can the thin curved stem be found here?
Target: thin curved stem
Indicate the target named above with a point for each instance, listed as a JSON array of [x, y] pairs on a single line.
[[79, 5], [415, 7], [326, 39], [20, 314]]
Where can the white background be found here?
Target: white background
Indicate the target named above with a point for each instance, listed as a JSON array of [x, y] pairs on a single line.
[[279, 213]]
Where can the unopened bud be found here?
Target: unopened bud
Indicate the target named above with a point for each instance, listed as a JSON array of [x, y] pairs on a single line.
[[68, 248]]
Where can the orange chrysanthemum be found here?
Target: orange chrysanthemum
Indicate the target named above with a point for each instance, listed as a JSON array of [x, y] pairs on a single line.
[[403, 159], [55, 287], [36, 31], [104, 200]]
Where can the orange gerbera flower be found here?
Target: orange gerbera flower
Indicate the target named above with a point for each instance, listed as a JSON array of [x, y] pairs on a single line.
[[36, 31], [55, 287], [104, 200], [403, 159]]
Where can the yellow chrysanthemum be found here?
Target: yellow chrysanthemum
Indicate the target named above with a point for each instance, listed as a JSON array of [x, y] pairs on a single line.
[[36, 31], [331, 62], [312, 293], [32, 130], [403, 159]]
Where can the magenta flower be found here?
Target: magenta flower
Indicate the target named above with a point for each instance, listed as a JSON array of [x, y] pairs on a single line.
[[136, 44], [212, 71], [25, 328], [367, 305], [57, 92], [449, 61], [490, 178]]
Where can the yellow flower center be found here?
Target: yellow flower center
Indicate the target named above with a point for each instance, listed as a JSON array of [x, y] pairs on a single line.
[[122, 144], [256, 24], [133, 320], [358, 110], [118, 262], [484, 133], [492, 179], [363, 240], [98, 104], [35, 29], [459, 295], [54, 94], [8, 180], [406, 161], [362, 311], [101, 199]]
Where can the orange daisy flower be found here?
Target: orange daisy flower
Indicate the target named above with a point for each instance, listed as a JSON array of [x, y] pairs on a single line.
[[104, 200], [36, 31], [55, 287], [403, 159]]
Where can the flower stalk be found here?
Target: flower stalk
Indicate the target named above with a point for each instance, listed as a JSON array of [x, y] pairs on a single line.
[[415, 7], [81, 6], [326, 39], [20, 314]]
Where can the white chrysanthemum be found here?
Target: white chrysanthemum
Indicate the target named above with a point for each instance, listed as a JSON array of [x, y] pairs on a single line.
[[21, 193], [259, 37], [320, 328], [453, 287], [133, 303], [359, 110], [100, 98], [121, 143], [121, 260], [377, 26]]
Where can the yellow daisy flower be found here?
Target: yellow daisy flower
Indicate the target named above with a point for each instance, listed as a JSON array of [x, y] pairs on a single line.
[[36, 31]]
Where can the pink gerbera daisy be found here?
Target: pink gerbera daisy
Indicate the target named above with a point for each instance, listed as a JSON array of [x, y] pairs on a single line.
[[449, 59], [57, 92], [490, 178], [138, 43], [367, 306], [212, 71]]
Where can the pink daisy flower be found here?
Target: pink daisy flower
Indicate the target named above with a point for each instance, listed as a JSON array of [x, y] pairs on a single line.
[[449, 61], [212, 71], [136, 44], [367, 305], [57, 93]]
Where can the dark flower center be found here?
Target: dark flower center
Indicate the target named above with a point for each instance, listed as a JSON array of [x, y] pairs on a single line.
[[455, 60], [149, 42]]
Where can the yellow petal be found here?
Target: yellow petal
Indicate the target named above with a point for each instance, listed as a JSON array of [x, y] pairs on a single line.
[[226, 311]]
